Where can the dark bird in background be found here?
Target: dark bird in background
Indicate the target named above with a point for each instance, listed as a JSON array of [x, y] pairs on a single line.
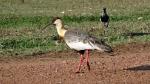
[[104, 18]]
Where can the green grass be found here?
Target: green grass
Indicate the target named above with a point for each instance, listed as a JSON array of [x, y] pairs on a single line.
[[21, 23], [15, 21]]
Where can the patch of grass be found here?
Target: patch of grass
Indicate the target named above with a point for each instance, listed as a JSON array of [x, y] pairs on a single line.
[[21, 23], [15, 21], [31, 40], [28, 46], [24, 43]]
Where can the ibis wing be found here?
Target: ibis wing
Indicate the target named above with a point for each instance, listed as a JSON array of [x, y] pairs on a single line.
[[77, 39]]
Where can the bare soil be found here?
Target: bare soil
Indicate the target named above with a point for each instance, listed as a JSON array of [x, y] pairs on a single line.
[[128, 64]]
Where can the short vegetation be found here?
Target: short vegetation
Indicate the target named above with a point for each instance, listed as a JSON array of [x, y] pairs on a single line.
[[21, 23]]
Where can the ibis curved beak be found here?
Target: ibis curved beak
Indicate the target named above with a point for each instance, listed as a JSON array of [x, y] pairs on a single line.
[[46, 26]]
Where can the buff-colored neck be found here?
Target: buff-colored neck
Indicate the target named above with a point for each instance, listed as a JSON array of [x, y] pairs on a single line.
[[60, 29]]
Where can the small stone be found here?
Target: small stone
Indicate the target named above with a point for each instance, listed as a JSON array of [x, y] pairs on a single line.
[[62, 12]]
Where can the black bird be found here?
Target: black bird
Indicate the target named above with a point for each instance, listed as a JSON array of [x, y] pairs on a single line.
[[104, 18]]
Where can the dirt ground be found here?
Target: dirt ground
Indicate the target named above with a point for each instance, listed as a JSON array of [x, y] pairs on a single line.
[[128, 64]]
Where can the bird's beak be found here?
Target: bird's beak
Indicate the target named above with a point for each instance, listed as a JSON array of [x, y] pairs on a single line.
[[46, 26]]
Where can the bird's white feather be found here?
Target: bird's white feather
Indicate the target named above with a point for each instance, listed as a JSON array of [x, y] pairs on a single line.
[[79, 45]]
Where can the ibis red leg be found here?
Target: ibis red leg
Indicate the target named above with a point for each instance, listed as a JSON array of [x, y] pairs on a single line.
[[81, 61], [87, 59]]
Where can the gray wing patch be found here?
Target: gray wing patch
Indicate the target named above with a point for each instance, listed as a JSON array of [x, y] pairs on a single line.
[[76, 35], [93, 41]]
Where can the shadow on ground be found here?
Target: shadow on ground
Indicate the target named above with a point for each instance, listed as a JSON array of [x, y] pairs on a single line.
[[139, 68], [135, 34]]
